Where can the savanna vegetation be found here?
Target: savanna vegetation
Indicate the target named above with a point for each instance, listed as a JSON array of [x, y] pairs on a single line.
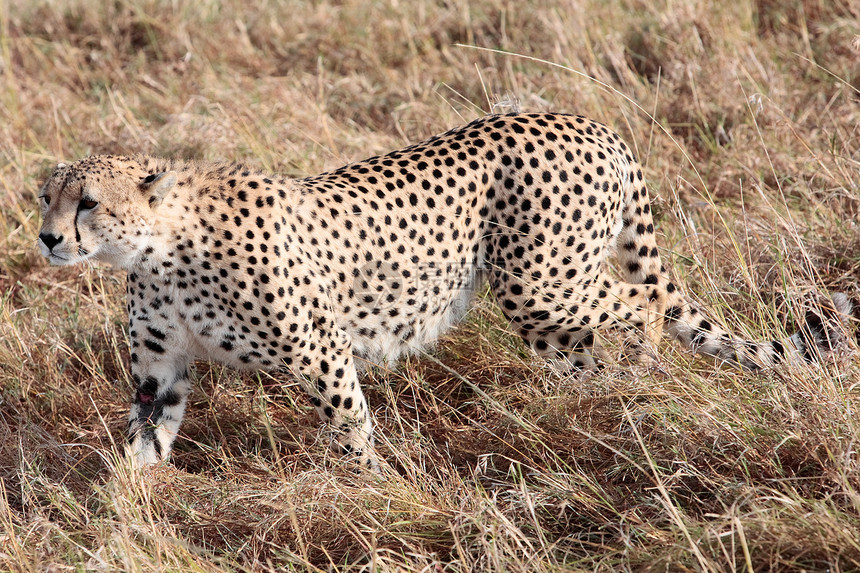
[[746, 116]]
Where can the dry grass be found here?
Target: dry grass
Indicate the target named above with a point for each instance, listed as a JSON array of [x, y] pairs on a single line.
[[746, 115]]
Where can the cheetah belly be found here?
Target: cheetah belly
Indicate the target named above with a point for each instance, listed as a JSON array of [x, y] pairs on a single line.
[[425, 306]]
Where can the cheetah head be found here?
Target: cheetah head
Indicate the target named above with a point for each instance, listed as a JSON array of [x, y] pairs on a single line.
[[100, 208]]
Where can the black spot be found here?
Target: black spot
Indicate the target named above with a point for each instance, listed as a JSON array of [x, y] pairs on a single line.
[[702, 331], [778, 351], [153, 346], [156, 333], [674, 313]]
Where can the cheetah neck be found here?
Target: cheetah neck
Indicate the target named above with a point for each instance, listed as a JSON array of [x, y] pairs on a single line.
[[197, 219]]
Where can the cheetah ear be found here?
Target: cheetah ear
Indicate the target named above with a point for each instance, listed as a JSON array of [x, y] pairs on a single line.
[[157, 185]]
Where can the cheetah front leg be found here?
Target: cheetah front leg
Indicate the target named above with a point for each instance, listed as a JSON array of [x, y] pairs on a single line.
[[159, 366], [156, 412], [324, 363]]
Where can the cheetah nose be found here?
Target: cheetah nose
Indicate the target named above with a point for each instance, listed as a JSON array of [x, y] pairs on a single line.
[[50, 240]]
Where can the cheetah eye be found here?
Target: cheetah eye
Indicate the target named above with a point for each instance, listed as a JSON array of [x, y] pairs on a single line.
[[87, 204]]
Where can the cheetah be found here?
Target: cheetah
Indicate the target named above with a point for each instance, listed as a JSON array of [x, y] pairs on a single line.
[[305, 277]]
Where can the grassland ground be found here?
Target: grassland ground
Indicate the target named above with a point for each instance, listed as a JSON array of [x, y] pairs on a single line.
[[746, 117]]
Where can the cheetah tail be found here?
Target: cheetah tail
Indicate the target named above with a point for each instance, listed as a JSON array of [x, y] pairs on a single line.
[[825, 329]]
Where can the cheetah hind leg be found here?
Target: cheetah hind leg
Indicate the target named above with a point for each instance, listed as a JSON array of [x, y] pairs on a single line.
[[581, 351], [652, 327], [639, 336], [638, 310], [639, 307]]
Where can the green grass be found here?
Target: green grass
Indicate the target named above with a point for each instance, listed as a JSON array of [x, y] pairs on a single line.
[[745, 115]]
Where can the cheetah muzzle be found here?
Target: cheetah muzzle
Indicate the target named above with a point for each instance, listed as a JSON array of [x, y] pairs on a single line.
[[376, 259]]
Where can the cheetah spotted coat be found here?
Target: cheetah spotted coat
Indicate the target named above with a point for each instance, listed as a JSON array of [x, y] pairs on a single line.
[[376, 259]]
